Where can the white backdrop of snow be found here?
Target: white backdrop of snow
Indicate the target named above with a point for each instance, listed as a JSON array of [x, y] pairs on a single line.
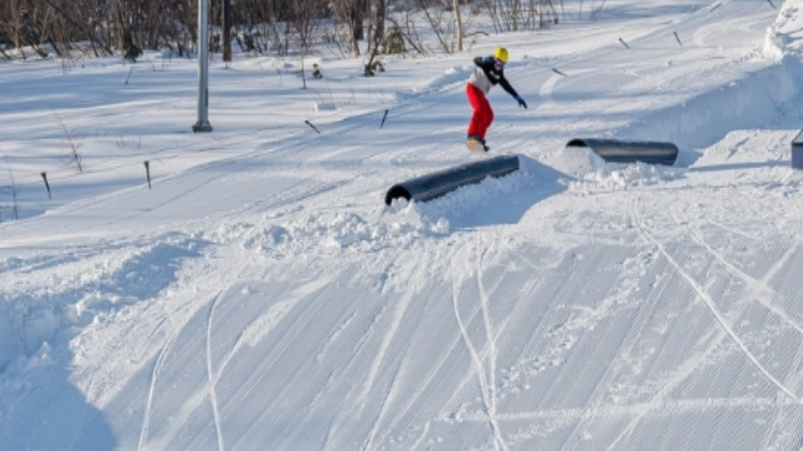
[[261, 296]]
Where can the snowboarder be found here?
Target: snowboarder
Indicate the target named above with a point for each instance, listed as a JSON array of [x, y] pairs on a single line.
[[489, 72]]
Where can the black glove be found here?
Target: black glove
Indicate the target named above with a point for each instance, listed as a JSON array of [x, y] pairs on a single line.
[[521, 102]]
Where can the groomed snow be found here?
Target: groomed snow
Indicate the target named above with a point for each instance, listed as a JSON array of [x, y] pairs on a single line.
[[261, 296]]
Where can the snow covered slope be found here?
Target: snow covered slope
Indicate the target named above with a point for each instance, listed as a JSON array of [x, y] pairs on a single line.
[[261, 296]]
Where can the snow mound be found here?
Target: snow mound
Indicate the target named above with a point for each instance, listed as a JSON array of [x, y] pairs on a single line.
[[334, 233], [323, 106], [575, 161], [451, 76], [36, 324], [588, 172], [785, 35], [748, 149], [620, 177]]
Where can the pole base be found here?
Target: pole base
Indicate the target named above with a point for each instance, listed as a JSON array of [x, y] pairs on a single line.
[[202, 127]]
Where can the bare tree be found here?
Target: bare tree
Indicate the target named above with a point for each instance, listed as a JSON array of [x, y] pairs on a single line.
[[78, 27], [357, 26], [303, 22], [350, 15], [378, 18], [438, 22], [14, 23], [458, 25], [129, 27]]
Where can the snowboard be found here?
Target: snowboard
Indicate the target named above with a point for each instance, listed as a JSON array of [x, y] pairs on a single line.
[[476, 147]]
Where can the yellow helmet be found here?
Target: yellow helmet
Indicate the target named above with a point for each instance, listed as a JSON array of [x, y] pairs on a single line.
[[501, 54]]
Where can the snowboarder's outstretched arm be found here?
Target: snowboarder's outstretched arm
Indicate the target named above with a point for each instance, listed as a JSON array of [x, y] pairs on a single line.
[[507, 87]]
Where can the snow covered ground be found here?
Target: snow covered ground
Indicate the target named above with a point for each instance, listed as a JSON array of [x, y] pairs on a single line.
[[262, 296]]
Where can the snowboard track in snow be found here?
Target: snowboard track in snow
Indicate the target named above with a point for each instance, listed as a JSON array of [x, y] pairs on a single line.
[[492, 356], [486, 376], [157, 368], [211, 375], [710, 304], [762, 291]]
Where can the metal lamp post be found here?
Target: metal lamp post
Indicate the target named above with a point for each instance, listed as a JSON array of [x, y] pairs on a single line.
[[203, 124]]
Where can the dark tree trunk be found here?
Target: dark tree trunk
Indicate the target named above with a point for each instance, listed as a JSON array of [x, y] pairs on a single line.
[[357, 17], [380, 22], [226, 26]]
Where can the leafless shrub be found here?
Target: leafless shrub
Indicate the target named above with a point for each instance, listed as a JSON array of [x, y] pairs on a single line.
[[128, 28], [405, 25], [9, 192], [442, 22], [335, 39], [596, 8], [122, 142], [514, 15], [73, 144], [350, 15]]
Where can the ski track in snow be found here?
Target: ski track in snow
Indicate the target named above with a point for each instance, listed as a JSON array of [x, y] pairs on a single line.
[[760, 291], [491, 344], [668, 408], [476, 360], [660, 401], [264, 324], [424, 432], [701, 292], [333, 434], [285, 342], [382, 352], [393, 394], [428, 378], [486, 374], [211, 376], [472, 371], [777, 429], [606, 308], [157, 368], [362, 398]]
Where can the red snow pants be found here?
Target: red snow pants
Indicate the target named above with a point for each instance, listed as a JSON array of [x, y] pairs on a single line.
[[483, 114]]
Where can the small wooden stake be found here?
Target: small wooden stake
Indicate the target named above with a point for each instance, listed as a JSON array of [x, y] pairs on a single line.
[[383, 119], [148, 172], [313, 127], [47, 185]]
